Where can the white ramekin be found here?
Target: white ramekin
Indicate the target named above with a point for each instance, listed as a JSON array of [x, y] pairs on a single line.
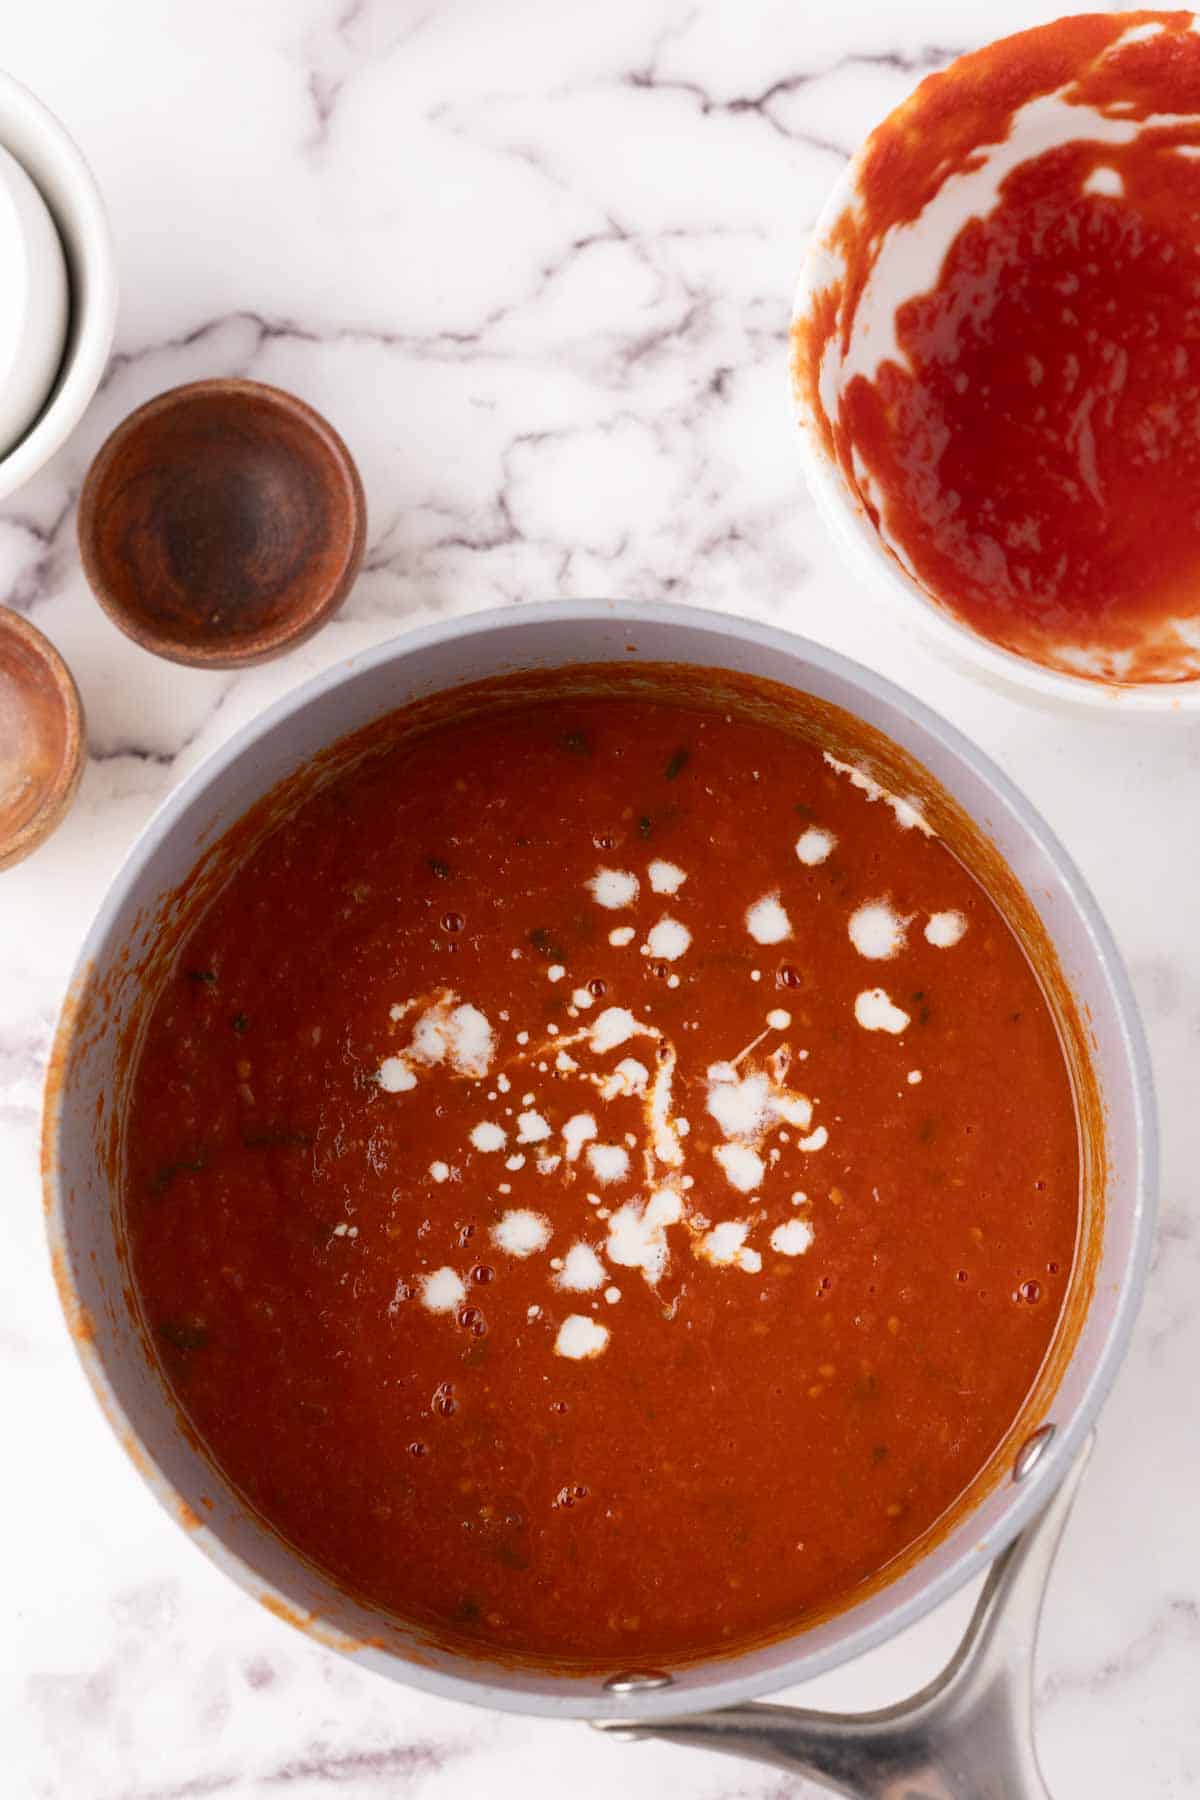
[[53, 160]]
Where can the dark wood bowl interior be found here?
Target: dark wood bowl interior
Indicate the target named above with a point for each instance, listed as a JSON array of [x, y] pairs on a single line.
[[41, 738], [222, 523]]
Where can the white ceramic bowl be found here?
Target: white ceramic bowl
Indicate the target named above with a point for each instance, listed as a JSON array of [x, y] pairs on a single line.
[[34, 302], [53, 161], [908, 264]]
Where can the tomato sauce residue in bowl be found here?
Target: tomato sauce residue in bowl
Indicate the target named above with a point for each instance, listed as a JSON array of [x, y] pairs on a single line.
[[602, 1178], [1024, 427]]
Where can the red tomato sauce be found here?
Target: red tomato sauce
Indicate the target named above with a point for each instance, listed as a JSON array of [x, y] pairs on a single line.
[[430, 1068], [1035, 455]]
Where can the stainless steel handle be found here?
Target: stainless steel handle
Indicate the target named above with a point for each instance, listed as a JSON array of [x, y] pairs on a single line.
[[968, 1735]]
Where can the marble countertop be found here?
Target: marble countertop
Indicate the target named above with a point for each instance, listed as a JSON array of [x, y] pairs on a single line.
[[534, 260]]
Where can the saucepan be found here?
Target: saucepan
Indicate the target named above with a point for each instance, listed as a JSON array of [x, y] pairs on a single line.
[[963, 1737]]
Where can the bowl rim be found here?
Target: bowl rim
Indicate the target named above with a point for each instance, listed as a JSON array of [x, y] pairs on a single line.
[[69, 773], [846, 517], [299, 623], [96, 315], [1025, 1502]]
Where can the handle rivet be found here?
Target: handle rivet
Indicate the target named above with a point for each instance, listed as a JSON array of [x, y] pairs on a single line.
[[637, 1681], [1031, 1452]]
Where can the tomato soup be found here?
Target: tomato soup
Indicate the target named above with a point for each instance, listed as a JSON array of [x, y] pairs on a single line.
[[1023, 430], [602, 1177]]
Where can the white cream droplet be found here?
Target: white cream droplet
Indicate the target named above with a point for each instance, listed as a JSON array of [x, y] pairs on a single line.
[[742, 1167], [629, 1077], [613, 1026], [906, 813], [813, 846], [488, 1137], [668, 939], [608, 1162], [576, 1132], [875, 1012], [582, 1271], [876, 930], [613, 888], [767, 922], [395, 1076], [637, 1235], [1105, 180], [521, 1232], [666, 877], [944, 929], [442, 1291], [580, 1337], [725, 1245], [792, 1238]]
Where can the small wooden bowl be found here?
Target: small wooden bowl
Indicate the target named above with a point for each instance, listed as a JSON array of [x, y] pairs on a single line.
[[222, 523], [42, 742]]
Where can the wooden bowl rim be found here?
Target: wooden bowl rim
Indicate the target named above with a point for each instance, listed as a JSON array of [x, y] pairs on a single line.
[[301, 622], [61, 792]]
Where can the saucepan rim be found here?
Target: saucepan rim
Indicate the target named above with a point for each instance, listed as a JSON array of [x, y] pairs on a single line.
[[574, 1698]]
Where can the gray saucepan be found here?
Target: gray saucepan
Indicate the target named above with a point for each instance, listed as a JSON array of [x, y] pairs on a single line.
[[925, 1748]]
